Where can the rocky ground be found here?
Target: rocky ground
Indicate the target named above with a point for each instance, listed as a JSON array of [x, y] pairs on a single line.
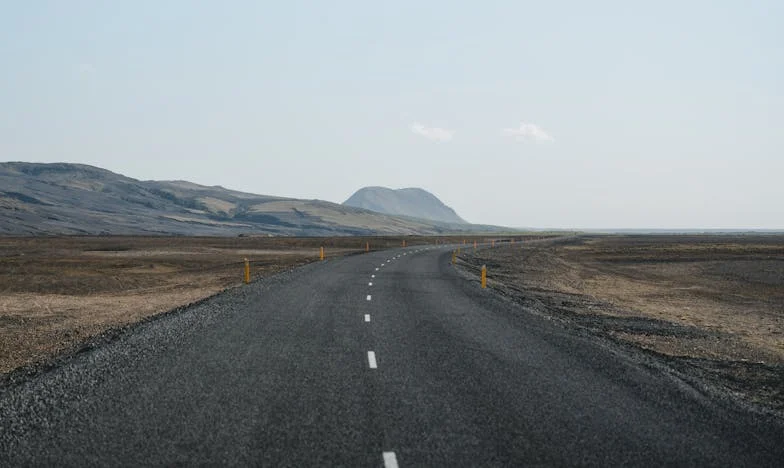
[[710, 307]]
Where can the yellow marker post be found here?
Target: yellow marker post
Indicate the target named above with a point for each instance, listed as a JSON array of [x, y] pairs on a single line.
[[404, 242], [454, 257], [484, 276], [458, 250], [464, 241], [367, 246], [321, 255], [492, 243], [474, 244], [247, 271]]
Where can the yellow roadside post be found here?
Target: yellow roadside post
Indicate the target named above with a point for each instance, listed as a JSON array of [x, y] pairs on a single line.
[[484, 276], [247, 271], [404, 242], [454, 257], [474, 244], [321, 255], [367, 247], [492, 243], [458, 250], [464, 241]]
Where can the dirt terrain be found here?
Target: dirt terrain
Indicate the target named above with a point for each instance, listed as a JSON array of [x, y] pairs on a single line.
[[56, 293], [711, 306]]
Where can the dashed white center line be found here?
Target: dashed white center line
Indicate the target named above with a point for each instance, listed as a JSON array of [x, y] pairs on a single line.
[[368, 298], [370, 284], [376, 269], [390, 460], [372, 276], [372, 360], [367, 317]]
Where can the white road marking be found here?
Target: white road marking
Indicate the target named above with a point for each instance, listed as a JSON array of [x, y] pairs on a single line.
[[372, 359], [370, 284], [376, 268], [367, 317], [372, 276], [368, 297], [390, 460]]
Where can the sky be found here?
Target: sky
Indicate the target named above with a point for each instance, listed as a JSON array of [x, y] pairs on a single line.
[[557, 114]]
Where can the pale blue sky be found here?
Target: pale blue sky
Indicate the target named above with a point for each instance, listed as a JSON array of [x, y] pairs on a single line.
[[666, 114]]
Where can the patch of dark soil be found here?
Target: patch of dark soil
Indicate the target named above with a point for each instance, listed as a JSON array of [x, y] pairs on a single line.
[[24, 198], [263, 219], [767, 272], [758, 383], [111, 248], [575, 308]]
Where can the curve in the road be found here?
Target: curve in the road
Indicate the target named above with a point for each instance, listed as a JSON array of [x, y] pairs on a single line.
[[450, 375]]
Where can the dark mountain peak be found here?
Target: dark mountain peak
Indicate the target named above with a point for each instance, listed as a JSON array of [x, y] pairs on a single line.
[[412, 201]]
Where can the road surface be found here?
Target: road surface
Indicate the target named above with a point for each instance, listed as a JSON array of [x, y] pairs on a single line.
[[384, 359]]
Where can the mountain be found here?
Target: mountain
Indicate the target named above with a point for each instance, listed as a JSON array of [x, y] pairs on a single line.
[[63, 198], [413, 202]]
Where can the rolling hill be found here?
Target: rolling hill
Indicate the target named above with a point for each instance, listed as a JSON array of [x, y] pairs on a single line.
[[64, 198], [413, 202]]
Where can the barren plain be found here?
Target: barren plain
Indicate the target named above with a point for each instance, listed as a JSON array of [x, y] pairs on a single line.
[[711, 306]]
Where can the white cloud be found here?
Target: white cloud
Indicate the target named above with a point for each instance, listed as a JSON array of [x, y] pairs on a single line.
[[432, 133], [528, 131]]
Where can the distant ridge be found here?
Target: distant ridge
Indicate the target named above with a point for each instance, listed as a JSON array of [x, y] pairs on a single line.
[[67, 199], [413, 202]]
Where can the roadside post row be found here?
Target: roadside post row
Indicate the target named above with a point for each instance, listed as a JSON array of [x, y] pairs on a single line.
[[322, 257]]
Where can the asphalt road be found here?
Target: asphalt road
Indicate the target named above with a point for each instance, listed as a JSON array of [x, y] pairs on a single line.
[[317, 367]]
